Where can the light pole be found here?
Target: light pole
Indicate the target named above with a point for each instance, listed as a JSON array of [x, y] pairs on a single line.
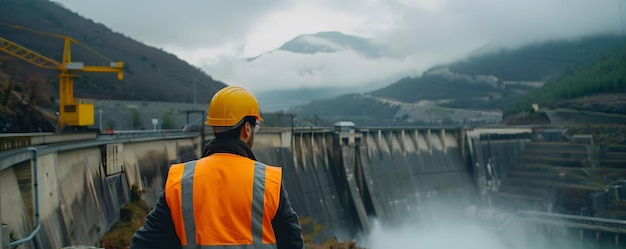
[[203, 113], [57, 114], [100, 120]]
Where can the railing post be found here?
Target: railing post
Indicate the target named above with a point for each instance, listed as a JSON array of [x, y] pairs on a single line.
[[4, 236]]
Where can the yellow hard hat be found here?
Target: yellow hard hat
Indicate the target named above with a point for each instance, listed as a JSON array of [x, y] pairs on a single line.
[[230, 105]]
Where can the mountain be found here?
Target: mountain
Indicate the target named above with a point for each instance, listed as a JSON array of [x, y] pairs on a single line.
[[150, 73], [330, 42], [474, 90]]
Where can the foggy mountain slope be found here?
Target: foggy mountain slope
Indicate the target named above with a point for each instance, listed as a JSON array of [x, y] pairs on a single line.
[[474, 86], [150, 73], [540, 61], [493, 80], [598, 87]]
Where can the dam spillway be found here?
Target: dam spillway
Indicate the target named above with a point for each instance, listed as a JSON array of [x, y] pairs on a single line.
[[342, 181]]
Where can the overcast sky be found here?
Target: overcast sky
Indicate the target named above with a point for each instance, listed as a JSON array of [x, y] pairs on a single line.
[[215, 35]]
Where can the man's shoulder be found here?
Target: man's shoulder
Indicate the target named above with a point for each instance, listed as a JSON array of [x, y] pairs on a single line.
[[182, 164], [267, 165]]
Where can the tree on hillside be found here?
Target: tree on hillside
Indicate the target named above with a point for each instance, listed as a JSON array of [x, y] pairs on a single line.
[[35, 90], [168, 121], [136, 120], [6, 83], [111, 124]]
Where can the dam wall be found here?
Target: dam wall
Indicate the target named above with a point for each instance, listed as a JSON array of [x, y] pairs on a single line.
[[340, 181]]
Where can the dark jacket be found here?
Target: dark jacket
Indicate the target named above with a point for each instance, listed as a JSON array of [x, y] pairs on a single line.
[[158, 230]]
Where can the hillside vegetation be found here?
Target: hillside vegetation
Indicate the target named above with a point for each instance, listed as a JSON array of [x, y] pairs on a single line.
[[607, 75], [350, 107], [538, 62], [452, 92]]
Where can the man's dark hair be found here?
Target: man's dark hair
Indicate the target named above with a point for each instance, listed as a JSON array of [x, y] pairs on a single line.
[[234, 133]]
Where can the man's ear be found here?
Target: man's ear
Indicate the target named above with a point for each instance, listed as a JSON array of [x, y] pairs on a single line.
[[246, 131]]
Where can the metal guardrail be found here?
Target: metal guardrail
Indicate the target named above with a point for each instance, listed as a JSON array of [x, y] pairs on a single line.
[[142, 133], [11, 141], [576, 221]]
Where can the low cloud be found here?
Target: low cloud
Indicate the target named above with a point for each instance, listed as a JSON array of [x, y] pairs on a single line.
[[286, 70]]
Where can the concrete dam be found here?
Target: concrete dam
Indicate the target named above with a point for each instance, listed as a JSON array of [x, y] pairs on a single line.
[[58, 190], [343, 180]]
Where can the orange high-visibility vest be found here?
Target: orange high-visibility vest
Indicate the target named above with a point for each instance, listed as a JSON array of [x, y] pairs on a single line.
[[224, 200]]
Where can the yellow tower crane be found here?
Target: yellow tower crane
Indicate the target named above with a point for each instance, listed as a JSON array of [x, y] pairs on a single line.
[[71, 112]]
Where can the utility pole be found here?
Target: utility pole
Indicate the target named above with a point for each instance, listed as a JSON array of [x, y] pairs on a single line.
[[4, 229], [203, 113], [292, 135], [194, 94]]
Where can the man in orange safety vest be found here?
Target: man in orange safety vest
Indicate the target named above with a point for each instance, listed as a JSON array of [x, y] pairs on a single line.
[[226, 199]]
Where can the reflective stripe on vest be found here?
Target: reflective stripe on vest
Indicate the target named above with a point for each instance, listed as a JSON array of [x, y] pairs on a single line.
[[187, 202], [231, 247], [181, 181]]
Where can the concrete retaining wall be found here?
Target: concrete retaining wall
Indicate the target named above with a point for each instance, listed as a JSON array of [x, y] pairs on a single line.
[[78, 202]]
